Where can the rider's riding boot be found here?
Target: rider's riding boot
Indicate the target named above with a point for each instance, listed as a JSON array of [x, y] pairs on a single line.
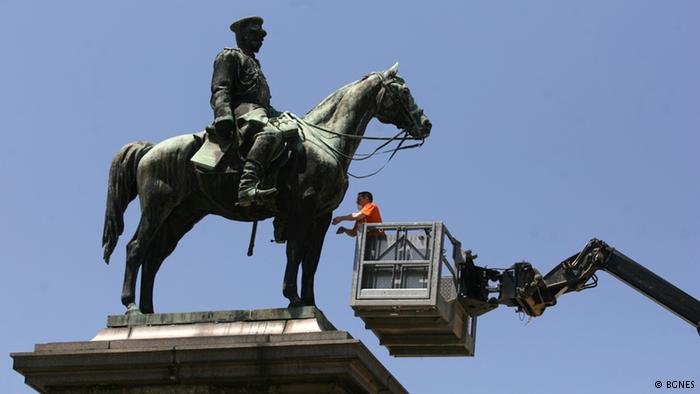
[[249, 190]]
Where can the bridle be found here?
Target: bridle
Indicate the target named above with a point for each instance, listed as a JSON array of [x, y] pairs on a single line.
[[386, 86], [402, 136]]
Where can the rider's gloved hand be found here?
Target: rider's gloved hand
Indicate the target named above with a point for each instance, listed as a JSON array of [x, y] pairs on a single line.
[[224, 127], [274, 112]]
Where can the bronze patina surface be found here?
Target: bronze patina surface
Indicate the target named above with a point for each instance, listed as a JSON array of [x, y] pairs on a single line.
[[308, 177]]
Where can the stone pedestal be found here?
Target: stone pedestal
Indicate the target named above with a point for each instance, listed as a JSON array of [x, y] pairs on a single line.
[[258, 351]]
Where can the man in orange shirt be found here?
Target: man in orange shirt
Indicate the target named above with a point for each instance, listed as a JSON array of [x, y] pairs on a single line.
[[368, 213]]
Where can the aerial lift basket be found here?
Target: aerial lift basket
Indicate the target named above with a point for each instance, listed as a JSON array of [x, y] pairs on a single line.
[[404, 288]]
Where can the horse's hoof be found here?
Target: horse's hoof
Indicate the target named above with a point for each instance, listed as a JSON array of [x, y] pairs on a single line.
[[295, 303], [133, 310]]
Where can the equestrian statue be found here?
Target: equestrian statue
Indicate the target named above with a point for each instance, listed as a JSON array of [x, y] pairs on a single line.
[[271, 165]]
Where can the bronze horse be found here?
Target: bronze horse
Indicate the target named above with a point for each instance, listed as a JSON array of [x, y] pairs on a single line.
[[174, 196]]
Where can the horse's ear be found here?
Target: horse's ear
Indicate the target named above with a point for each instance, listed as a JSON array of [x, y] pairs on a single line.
[[391, 72]]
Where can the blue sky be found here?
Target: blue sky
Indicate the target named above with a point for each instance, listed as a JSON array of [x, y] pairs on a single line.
[[553, 122]]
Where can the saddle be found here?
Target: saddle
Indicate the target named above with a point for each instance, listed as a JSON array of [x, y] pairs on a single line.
[[216, 157], [213, 159]]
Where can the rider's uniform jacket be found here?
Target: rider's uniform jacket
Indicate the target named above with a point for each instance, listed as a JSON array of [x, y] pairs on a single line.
[[238, 85]]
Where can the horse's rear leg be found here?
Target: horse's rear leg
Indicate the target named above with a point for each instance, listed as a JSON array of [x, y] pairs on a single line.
[[131, 269], [136, 252], [312, 256], [179, 222], [155, 207]]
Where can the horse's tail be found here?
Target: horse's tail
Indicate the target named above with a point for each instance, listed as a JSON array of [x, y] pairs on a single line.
[[121, 190]]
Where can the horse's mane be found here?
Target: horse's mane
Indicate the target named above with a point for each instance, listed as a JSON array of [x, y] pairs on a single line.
[[323, 110]]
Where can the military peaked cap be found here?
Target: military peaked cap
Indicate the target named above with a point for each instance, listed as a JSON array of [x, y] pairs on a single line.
[[249, 21]]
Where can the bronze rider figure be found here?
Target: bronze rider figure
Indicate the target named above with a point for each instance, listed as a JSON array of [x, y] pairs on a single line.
[[240, 98]]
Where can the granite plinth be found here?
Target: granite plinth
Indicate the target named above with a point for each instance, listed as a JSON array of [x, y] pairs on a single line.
[[212, 324], [259, 353], [247, 315]]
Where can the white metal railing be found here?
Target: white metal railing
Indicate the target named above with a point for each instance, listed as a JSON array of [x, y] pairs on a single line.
[[402, 260]]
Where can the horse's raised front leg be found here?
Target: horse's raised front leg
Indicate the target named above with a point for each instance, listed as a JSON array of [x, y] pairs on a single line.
[[312, 256]]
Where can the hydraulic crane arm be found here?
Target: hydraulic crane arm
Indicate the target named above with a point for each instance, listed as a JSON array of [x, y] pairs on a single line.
[[524, 287], [653, 286]]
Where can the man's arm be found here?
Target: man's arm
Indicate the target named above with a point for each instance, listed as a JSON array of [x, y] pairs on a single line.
[[221, 86], [351, 216], [349, 231]]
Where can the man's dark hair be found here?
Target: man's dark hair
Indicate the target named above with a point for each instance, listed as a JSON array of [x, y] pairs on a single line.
[[367, 195]]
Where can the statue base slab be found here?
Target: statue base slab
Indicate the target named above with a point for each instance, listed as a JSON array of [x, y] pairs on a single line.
[[271, 350]]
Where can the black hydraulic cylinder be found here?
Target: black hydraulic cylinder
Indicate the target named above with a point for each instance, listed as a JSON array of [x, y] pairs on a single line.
[[654, 287]]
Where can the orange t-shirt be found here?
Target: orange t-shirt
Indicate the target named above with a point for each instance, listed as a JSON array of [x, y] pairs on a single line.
[[372, 215]]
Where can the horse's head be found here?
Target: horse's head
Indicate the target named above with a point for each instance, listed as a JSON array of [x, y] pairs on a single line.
[[397, 106]]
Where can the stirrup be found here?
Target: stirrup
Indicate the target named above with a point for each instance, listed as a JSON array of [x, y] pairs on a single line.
[[252, 195]]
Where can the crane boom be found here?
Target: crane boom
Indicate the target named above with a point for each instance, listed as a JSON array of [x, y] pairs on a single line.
[[653, 286], [523, 287]]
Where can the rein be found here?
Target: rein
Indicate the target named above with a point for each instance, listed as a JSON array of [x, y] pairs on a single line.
[[402, 136], [398, 148]]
